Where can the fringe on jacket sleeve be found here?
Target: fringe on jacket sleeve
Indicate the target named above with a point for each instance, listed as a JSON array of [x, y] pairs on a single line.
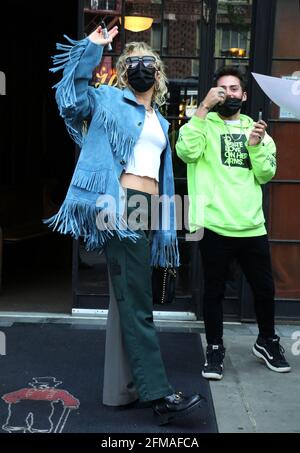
[[77, 60]]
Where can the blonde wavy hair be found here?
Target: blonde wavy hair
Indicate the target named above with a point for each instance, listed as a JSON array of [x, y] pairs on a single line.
[[160, 87]]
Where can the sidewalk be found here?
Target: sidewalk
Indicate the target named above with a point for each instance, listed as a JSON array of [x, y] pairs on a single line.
[[251, 398]]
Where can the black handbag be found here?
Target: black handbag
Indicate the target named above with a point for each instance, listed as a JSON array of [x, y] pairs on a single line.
[[163, 285]]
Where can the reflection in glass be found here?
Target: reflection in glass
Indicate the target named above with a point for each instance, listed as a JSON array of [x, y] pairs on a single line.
[[92, 273], [107, 4], [233, 32], [104, 5], [93, 4], [241, 65], [156, 37], [183, 77], [183, 21], [184, 273], [175, 30], [151, 12]]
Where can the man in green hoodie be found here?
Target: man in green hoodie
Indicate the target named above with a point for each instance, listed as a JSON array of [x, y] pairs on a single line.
[[228, 157]]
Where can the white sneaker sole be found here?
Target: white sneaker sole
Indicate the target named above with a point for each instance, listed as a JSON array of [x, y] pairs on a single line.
[[214, 376], [271, 367]]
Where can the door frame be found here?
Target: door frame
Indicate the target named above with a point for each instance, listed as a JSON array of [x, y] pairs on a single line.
[[84, 302]]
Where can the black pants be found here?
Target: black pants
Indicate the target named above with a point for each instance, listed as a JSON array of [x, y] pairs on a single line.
[[253, 255]]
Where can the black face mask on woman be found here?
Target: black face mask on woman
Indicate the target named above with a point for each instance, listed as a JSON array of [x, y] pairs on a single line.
[[230, 107], [141, 78]]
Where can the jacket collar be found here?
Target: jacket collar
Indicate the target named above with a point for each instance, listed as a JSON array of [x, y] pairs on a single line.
[[129, 94]]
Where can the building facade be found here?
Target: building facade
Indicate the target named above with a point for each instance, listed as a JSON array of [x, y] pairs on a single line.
[[194, 39]]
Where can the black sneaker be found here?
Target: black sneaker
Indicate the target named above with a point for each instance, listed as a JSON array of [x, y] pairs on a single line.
[[175, 406], [213, 367], [271, 352]]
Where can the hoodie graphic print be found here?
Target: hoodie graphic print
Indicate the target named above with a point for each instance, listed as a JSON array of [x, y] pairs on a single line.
[[225, 174]]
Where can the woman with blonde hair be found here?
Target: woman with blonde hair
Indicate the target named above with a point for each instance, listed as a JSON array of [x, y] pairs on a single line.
[[125, 156]]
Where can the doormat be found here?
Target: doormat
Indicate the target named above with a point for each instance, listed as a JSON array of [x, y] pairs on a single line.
[[52, 377]]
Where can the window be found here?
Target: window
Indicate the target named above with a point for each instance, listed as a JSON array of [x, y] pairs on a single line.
[[233, 31], [156, 36]]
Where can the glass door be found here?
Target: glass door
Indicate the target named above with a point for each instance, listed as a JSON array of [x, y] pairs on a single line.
[[233, 34], [181, 33]]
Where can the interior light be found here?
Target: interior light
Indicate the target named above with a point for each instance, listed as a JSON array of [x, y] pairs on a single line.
[[137, 23], [237, 52]]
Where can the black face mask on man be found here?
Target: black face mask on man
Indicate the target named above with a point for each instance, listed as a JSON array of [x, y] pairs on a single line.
[[230, 107], [141, 78]]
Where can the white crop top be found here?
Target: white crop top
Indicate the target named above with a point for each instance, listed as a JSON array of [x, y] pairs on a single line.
[[146, 154]]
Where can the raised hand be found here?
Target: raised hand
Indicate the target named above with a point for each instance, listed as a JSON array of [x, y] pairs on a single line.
[[215, 96], [258, 132], [97, 36]]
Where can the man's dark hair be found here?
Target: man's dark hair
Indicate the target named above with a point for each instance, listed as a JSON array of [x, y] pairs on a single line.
[[230, 71]]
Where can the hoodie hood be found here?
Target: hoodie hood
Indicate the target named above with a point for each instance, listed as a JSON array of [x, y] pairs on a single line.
[[246, 121]]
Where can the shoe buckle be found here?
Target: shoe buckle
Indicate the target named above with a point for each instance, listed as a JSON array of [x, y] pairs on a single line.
[[178, 396]]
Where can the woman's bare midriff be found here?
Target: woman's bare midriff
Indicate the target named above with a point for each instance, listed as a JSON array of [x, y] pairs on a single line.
[[141, 183]]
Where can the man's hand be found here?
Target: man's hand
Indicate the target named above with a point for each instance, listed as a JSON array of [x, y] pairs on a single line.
[[258, 132], [215, 96], [97, 36]]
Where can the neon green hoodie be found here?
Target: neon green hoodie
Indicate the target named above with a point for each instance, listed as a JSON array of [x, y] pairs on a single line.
[[224, 175]]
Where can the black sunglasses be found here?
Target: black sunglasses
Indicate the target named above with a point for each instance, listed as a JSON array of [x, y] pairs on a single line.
[[147, 60]]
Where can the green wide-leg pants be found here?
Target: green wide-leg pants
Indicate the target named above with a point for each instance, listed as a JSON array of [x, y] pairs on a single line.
[[130, 272]]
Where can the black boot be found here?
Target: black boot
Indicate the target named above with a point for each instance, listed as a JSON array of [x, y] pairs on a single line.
[[175, 406]]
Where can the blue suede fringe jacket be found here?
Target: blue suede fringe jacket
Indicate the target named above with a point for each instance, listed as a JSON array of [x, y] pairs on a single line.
[[115, 121]]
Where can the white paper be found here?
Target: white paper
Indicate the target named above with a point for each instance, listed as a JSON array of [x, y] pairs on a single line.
[[283, 92]]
